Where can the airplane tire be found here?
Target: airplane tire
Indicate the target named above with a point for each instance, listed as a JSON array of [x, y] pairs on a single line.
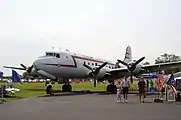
[[111, 89], [49, 89], [69, 87], [66, 88]]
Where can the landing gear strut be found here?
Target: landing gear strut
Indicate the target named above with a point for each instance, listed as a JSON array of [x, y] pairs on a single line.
[[67, 87], [111, 88]]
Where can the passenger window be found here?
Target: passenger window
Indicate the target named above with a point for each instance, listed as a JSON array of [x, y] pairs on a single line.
[[95, 64], [58, 55]]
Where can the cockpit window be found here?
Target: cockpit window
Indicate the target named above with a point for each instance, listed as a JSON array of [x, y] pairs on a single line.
[[49, 54], [57, 55]]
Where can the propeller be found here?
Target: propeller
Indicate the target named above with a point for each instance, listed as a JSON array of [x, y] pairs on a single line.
[[131, 66], [28, 69], [94, 71]]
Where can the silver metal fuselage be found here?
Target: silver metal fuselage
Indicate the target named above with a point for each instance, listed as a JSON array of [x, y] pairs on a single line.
[[68, 65]]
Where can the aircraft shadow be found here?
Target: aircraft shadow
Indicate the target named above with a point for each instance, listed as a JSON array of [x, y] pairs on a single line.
[[77, 93], [35, 89], [148, 102], [13, 96]]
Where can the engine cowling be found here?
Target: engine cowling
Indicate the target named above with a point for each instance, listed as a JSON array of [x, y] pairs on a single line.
[[101, 73], [135, 69]]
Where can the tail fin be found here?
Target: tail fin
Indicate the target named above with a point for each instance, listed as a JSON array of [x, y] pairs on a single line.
[[128, 55]]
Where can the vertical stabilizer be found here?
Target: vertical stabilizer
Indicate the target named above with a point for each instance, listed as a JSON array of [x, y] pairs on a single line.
[[128, 55]]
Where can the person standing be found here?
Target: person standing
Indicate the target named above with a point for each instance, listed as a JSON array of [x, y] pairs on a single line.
[[142, 91], [125, 86], [119, 92]]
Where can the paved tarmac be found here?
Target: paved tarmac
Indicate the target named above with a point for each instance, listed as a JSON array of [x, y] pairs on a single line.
[[88, 107]]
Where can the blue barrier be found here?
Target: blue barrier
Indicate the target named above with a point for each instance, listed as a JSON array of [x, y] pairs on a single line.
[[152, 90]]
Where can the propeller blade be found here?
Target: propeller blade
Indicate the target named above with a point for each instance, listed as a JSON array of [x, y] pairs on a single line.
[[122, 62], [23, 66], [14, 68], [101, 66], [30, 69], [93, 75], [85, 65], [138, 61], [94, 82]]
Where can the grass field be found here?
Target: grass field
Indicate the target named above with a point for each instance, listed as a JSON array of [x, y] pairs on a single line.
[[35, 89]]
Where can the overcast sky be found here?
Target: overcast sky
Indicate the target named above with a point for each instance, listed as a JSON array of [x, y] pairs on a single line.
[[99, 28]]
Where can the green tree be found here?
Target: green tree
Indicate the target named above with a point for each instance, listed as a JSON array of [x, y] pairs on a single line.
[[25, 74], [164, 58]]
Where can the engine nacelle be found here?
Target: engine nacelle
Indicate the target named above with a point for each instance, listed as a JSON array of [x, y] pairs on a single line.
[[101, 73], [137, 69]]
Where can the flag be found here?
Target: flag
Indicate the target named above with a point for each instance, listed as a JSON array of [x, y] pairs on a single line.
[[171, 81], [15, 76], [1, 74], [160, 80]]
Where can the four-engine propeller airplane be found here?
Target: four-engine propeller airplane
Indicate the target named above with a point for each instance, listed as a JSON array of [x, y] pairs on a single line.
[[67, 65]]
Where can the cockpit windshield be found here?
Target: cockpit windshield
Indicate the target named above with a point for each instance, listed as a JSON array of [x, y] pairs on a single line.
[[57, 55]]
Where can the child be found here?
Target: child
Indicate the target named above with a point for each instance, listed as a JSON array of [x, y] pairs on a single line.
[[119, 92]]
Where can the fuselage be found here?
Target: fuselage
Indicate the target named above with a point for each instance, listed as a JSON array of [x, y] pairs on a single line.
[[69, 65]]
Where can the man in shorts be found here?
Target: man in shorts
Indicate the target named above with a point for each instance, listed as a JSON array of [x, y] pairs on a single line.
[[142, 91]]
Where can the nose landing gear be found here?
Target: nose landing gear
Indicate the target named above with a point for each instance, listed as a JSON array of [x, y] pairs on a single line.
[[49, 89]]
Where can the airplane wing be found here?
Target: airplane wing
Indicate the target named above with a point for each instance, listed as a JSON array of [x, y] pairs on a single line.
[[116, 73], [162, 66], [121, 72]]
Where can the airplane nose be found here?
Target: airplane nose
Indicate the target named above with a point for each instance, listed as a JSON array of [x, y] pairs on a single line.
[[40, 62], [37, 63]]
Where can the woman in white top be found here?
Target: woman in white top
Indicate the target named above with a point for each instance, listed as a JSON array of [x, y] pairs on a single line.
[[125, 86]]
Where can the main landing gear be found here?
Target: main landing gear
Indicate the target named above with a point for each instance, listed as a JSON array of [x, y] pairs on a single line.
[[111, 88], [66, 87]]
